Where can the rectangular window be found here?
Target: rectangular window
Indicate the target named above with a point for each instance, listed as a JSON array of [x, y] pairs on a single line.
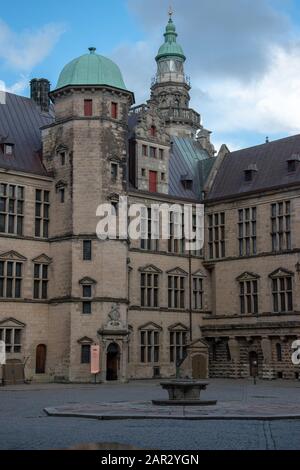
[[145, 151], [176, 292], [149, 290], [87, 250], [10, 279], [8, 149], [62, 158], [281, 226], [149, 218], [178, 342], [62, 195], [249, 297], [11, 209], [152, 152], [88, 108], [114, 110], [176, 241], [86, 308], [12, 338], [216, 235], [247, 231], [42, 206], [282, 291], [114, 171], [153, 181], [85, 354], [161, 154], [197, 293], [149, 346], [40, 282]]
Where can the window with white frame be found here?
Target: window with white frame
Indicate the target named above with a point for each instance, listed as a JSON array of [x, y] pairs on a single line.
[[149, 289], [178, 344], [10, 279], [247, 231], [282, 292], [248, 285], [42, 207], [149, 228], [40, 283], [176, 291], [216, 235], [11, 209], [12, 338], [281, 226], [197, 293], [149, 346]]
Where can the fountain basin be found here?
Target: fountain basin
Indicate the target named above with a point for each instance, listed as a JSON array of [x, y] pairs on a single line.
[[184, 392]]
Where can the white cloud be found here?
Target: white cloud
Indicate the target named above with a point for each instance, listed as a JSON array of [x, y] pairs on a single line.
[[23, 51], [267, 105]]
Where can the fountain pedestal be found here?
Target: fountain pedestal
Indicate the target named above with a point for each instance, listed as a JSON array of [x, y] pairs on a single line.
[[184, 392]]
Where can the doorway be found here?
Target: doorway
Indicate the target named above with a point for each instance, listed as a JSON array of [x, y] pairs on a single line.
[[199, 366], [40, 361], [253, 363], [112, 362]]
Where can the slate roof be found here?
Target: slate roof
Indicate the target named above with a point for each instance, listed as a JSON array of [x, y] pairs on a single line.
[[271, 162], [188, 158], [20, 123]]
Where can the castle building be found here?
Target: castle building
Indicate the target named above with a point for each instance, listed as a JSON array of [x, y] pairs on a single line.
[[232, 309]]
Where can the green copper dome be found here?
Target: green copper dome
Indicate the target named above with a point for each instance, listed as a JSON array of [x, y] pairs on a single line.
[[170, 46], [91, 69]]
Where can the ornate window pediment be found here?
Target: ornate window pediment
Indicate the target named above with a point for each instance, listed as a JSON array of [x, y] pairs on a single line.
[[178, 327], [61, 184], [115, 158], [87, 281], [199, 273], [61, 148], [150, 326], [11, 323], [12, 255], [85, 340], [281, 272], [115, 197], [247, 276], [151, 269], [177, 272], [42, 259]]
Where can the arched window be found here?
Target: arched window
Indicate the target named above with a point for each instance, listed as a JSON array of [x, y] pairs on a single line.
[[279, 352]]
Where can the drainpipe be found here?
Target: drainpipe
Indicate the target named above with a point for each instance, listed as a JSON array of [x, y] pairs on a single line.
[[190, 296]]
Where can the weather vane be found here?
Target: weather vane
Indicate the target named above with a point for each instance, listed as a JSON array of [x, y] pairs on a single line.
[[170, 11]]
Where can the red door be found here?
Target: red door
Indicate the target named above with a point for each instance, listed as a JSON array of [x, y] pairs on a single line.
[[152, 181]]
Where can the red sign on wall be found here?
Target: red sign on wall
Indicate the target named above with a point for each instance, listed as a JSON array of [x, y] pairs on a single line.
[[95, 359]]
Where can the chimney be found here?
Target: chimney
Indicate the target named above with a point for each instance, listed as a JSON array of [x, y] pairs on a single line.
[[39, 92]]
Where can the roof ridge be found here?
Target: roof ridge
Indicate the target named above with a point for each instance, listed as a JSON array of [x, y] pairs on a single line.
[[266, 143]]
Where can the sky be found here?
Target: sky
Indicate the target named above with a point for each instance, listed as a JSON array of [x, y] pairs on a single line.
[[243, 56]]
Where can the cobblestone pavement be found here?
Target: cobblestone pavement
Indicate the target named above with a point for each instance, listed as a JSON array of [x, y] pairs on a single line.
[[24, 425]]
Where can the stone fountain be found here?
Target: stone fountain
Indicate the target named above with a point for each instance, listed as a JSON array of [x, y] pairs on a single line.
[[184, 391]]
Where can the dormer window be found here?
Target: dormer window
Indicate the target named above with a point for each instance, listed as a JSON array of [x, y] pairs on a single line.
[[8, 149], [249, 173], [293, 162], [187, 181]]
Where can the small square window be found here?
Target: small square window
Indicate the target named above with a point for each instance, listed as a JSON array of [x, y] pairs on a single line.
[[8, 149]]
